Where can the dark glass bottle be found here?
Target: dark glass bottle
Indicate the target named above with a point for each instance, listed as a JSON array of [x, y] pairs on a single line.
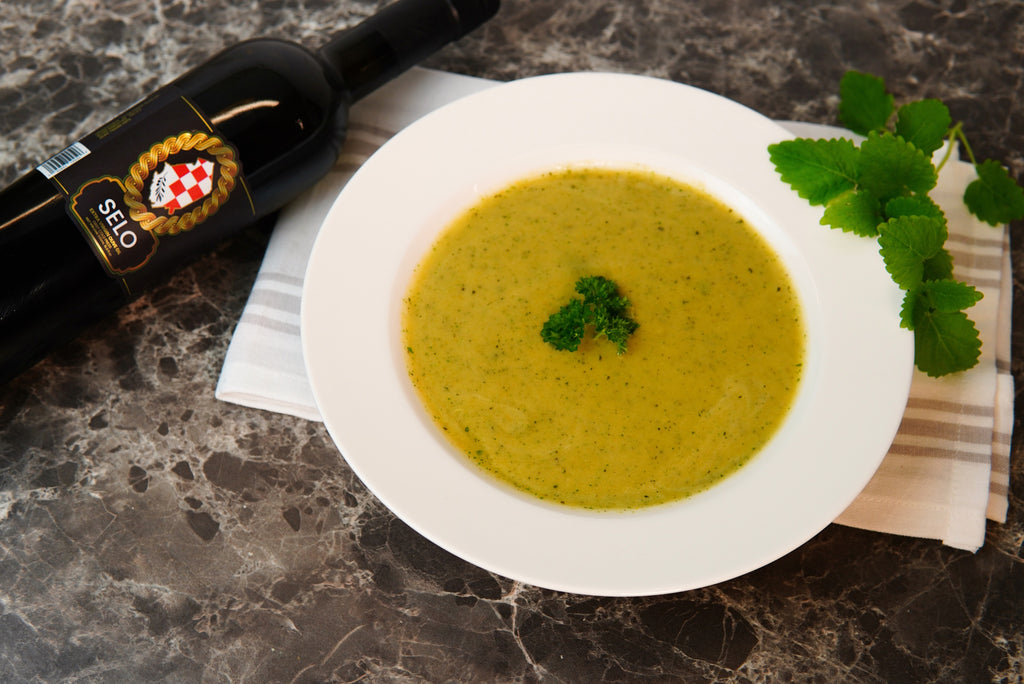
[[280, 107]]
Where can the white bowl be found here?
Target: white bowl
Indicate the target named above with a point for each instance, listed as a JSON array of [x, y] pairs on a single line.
[[857, 371]]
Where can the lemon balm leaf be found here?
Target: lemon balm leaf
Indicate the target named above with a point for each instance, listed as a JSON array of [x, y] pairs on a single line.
[[948, 295], [854, 212], [907, 309], [924, 124], [944, 341], [894, 167], [939, 266], [914, 205], [864, 104], [994, 197], [906, 243], [890, 166], [818, 170]]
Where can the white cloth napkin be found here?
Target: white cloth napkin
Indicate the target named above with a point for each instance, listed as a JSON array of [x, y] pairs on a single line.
[[263, 367], [948, 468]]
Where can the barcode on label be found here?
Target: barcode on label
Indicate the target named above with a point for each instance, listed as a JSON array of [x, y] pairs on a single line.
[[63, 159]]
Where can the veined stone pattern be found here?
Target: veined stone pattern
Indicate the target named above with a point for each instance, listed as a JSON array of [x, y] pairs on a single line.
[[150, 533]]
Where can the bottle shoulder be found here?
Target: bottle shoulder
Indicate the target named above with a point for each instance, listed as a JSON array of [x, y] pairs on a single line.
[[278, 105], [261, 64]]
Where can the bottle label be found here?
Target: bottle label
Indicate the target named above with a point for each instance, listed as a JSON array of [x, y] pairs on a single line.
[[149, 183]]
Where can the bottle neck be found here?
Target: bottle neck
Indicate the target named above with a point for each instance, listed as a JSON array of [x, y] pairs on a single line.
[[401, 35]]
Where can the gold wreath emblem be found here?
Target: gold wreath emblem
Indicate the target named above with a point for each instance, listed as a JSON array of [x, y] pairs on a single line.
[[140, 170]]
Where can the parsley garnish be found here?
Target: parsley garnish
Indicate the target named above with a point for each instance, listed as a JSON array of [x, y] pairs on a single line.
[[880, 189], [601, 307]]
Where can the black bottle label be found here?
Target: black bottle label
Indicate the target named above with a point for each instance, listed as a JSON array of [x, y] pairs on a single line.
[[149, 183]]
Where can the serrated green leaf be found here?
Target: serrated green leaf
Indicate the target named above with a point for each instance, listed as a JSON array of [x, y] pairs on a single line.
[[938, 267], [913, 205], [864, 105], [819, 170], [854, 212], [948, 295], [994, 197], [907, 309], [906, 243], [889, 166], [945, 339], [924, 124], [893, 166], [944, 342]]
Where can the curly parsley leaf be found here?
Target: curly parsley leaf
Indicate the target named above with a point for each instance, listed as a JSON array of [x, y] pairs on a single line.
[[994, 197], [924, 124], [564, 330], [601, 307], [601, 293], [864, 104], [819, 170], [617, 330]]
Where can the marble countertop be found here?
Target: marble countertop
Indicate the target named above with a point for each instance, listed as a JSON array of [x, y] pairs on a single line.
[[149, 532]]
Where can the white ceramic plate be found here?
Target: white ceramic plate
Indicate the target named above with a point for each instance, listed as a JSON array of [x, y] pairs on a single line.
[[847, 411]]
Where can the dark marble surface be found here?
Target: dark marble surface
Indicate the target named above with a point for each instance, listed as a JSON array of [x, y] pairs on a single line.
[[151, 533]]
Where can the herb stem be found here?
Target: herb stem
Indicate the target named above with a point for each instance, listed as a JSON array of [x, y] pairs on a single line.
[[951, 139], [958, 130]]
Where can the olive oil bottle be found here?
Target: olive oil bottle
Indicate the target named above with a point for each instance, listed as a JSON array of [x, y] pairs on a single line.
[[217, 149]]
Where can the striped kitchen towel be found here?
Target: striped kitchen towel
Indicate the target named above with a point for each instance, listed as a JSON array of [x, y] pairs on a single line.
[[948, 467], [263, 367]]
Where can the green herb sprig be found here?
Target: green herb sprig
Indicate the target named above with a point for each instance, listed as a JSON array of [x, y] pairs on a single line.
[[880, 189], [601, 307]]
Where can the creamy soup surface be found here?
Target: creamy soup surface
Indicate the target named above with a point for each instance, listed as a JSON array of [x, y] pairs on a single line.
[[707, 379]]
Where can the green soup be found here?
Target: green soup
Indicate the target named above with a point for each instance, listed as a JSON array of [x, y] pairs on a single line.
[[708, 376]]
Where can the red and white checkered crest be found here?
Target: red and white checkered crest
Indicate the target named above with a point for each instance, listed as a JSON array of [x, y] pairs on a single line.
[[176, 186]]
